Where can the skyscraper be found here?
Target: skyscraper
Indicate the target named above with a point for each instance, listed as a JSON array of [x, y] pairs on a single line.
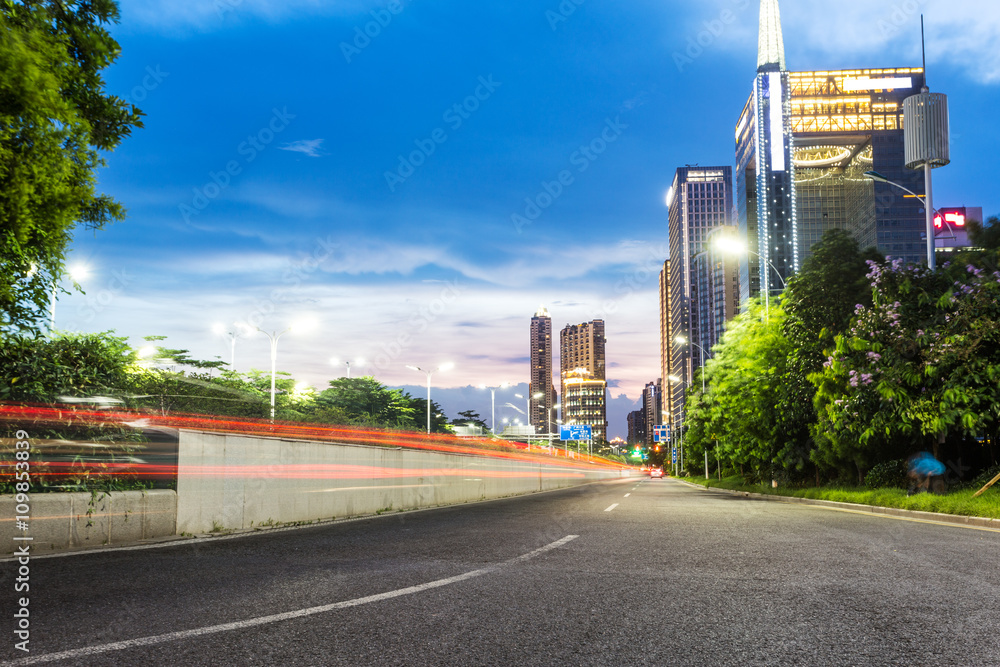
[[582, 372], [765, 174], [836, 126], [666, 346], [541, 373], [699, 208]]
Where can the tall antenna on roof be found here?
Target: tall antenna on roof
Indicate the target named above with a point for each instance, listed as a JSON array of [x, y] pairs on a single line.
[[923, 52]]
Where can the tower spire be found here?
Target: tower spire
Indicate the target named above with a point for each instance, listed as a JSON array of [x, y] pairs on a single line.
[[771, 45]]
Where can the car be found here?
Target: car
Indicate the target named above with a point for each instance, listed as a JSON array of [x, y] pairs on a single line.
[[656, 472]]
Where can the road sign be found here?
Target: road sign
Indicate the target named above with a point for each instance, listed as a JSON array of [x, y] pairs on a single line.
[[661, 433], [575, 432], [674, 455]]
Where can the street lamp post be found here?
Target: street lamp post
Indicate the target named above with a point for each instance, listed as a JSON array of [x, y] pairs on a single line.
[[274, 336], [336, 362], [442, 367], [736, 247], [493, 402], [684, 341], [232, 336], [928, 208]]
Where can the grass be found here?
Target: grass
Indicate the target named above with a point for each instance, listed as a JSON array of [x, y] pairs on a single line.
[[954, 502]]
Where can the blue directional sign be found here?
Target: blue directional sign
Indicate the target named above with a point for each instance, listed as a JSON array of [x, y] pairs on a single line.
[[674, 456], [661, 433], [575, 432]]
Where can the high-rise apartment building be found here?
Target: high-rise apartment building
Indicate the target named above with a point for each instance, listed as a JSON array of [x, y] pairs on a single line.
[[699, 210], [540, 409], [651, 410], [835, 126], [583, 376], [666, 346]]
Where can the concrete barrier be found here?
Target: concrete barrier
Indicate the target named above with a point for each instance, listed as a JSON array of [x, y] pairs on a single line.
[[60, 521], [235, 482]]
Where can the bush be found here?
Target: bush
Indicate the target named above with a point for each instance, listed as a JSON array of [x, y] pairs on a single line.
[[984, 477], [888, 475]]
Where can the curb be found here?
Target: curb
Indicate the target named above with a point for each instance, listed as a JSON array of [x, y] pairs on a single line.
[[934, 517]]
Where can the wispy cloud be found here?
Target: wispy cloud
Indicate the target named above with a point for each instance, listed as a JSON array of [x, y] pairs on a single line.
[[207, 15], [308, 146]]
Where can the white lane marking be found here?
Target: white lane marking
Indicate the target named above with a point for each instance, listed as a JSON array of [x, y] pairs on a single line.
[[627, 495], [611, 508], [275, 618]]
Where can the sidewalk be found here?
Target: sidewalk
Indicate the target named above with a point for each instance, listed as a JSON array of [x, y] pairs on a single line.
[[930, 517]]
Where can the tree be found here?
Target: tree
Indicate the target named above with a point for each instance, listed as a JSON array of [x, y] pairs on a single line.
[[466, 417], [366, 401], [55, 121], [920, 368]]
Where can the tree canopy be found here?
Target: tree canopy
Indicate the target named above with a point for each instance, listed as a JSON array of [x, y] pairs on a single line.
[[55, 121]]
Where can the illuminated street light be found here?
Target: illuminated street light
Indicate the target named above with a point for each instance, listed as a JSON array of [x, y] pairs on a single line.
[[76, 273], [681, 340], [442, 367], [493, 397], [302, 327], [735, 247]]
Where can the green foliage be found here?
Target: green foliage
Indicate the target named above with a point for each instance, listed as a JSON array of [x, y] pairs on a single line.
[[888, 474], [55, 121], [466, 417], [34, 369]]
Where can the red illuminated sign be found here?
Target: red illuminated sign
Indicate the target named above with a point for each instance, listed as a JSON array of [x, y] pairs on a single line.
[[955, 218]]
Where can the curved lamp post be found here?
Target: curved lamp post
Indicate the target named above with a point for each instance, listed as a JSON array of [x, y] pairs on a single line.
[[442, 367], [493, 402]]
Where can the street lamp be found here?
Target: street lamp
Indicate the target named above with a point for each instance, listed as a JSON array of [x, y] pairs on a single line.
[[493, 400], [358, 362], [442, 367], [681, 340], [931, 259], [220, 329], [273, 336], [736, 247], [76, 274]]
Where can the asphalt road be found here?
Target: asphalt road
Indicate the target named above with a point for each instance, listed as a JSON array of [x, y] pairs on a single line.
[[625, 573]]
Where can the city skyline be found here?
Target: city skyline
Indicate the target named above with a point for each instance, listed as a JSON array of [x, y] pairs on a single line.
[[268, 182]]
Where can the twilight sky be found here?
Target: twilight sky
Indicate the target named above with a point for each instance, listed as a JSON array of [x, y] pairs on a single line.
[[292, 166]]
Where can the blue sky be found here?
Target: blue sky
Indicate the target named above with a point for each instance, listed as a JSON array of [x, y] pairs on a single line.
[[258, 189]]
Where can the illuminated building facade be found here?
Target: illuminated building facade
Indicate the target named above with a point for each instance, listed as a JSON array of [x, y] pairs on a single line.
[[836, 126], [666, 347], [541, 373], [765, 174], [651, 413], [582, 373], [699, 206]]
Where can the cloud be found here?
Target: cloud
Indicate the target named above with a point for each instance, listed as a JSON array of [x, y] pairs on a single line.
[[859, 33], [207, 15], [308, 146]]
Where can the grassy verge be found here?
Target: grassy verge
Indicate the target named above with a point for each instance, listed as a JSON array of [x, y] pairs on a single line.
[[955, 502]]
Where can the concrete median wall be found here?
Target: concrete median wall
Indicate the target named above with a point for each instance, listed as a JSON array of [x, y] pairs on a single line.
[[59, 521], [234, 482]]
